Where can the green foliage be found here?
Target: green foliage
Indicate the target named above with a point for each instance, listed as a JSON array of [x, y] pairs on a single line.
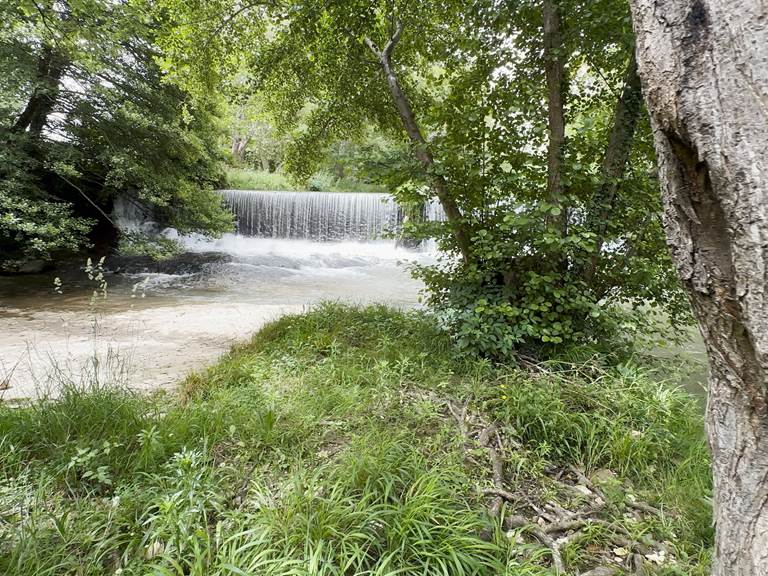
[[34, 227], [124, 131], [156, 247], [295, 455], [246, 179], [527, 289], [539, 272]]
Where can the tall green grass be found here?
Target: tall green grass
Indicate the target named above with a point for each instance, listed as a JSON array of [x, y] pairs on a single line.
[[323, 447]]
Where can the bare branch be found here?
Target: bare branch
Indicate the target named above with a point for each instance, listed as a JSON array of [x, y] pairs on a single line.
[[393, 40], [512, 522]]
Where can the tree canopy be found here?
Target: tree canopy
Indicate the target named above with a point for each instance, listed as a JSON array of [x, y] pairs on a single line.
[[523, 119], [87, 116]]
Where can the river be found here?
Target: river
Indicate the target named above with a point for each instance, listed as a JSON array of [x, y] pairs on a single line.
[[159, 322], [155, 326]]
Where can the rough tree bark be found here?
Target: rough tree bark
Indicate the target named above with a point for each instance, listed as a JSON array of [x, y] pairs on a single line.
[[704, 69], [423, 153], [554, 58]]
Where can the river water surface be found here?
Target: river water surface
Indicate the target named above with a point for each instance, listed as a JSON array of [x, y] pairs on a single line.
[[157, 323], [155, 327]]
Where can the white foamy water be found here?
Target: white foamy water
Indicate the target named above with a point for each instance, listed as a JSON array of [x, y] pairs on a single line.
[[172, 322]]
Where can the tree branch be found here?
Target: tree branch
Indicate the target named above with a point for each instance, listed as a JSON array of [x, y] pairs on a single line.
[[615, 159], [421, 147]]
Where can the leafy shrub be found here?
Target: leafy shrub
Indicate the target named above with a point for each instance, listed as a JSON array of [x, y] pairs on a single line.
[[155, 246], [525, 288]]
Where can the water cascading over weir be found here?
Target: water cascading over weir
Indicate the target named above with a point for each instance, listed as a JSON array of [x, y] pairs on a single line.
[[318, 216]]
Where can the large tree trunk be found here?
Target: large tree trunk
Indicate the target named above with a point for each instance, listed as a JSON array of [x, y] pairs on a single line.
[[704, 69], [50, 68]]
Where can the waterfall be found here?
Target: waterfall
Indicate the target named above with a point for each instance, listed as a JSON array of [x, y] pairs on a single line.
[[433, 211], [320, 216]]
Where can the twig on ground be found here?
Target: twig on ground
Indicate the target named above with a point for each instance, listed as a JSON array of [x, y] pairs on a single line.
[[643, 507], [461, 417], [239, 497], [585, 481], [497, 466], [601, 571], [512, 522], [505, 494]]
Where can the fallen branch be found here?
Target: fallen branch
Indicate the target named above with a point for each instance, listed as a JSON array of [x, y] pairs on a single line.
[[506, 495], [461, 417], [586, 481], [601, 571], [635, 504], [239, 497], [643, 507], [497, 466]]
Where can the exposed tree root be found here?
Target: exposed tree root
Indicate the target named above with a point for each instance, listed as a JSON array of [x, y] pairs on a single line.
[[552, 524], [512, 522]]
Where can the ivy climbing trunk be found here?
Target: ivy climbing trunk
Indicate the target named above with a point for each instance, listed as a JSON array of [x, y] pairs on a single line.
[[704, 70]]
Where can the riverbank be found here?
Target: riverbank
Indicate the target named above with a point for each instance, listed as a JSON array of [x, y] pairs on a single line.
[[142, 347], [356, 441], [249, 179]]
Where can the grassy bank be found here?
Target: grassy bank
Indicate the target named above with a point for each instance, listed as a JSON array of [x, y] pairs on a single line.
[[247, 179], [355, 441]]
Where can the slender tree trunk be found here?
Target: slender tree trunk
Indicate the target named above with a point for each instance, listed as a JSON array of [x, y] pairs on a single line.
[[554, 56], [423, 153], [239, 144], [704, 68], [50, 68], [615, 159], [234, 147]]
